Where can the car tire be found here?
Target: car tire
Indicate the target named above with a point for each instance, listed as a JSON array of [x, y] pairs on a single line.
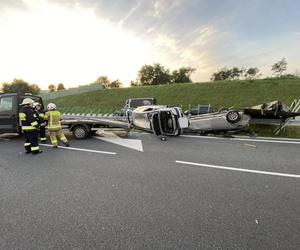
[[233, 116], [80, 132]]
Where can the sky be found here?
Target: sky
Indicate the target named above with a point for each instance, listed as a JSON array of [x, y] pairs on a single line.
[[75, 41]]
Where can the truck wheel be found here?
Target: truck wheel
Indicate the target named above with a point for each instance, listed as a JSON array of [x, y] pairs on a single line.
[[80, 132], [233, 116]]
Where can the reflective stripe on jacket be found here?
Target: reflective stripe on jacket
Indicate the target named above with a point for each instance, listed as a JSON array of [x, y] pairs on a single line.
[[28, 128], [54, 118], [28, 119], [40, 116]]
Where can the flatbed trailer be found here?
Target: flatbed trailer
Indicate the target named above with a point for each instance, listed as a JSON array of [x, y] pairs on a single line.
[[80, 126]]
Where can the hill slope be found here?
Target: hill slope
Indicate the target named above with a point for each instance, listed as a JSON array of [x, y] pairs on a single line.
[[224, 93]]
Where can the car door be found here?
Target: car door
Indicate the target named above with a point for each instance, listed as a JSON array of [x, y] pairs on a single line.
[[8, 114], [155, 124], [168, 123]]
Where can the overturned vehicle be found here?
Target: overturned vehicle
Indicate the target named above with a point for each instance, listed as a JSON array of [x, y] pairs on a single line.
[[159, 119], [222, 121], [274, 110]]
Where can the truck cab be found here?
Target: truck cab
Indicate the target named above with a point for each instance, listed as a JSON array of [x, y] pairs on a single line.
[[9, 111]]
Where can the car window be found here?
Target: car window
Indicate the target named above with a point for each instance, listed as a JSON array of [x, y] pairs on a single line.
[[6, 103], [35, 99], [148, 109], [146, 102], [140, 102]]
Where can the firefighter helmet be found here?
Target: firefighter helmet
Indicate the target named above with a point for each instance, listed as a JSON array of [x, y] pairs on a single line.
[[51, 106], [35, 104], [27, 101]]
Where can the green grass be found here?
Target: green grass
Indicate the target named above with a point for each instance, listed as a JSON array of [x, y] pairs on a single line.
[[238, 94], [268, 130], [226, 93]]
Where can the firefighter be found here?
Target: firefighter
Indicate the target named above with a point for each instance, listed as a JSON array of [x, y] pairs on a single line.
[[41, 119], [30, 127], [54, 125]]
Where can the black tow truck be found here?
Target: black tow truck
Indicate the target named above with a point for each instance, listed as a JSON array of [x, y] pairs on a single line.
[[80, 126]]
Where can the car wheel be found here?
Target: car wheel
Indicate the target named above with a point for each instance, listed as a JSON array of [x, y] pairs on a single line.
[[80, 132], [233, 116]]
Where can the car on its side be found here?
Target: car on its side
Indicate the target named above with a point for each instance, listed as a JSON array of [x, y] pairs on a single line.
[[161, 120]]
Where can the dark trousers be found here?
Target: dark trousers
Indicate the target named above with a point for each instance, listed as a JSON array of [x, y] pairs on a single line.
[[31, 141], [43, 134]]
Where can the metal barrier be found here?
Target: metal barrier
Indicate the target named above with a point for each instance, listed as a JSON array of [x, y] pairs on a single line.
[[295, 107]]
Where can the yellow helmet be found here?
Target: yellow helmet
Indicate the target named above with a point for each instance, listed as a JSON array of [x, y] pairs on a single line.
[[27, 101]]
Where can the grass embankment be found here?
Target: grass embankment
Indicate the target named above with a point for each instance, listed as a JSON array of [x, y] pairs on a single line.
[[238, 94]]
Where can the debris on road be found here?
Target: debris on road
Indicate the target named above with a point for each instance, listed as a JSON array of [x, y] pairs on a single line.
[[250, 145]]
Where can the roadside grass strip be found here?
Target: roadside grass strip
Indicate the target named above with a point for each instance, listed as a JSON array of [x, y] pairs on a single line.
[[81, 149], [239, 169]]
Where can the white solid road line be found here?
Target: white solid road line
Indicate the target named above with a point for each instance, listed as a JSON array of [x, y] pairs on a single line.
[[285, 141], [82, 149], [239, 169]]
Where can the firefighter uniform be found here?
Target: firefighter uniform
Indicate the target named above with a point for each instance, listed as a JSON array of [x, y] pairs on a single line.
[[30, 129], [40, 114], [43, 137], [54, 127]]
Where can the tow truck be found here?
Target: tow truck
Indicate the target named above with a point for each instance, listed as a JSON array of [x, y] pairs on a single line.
[[80, 126]]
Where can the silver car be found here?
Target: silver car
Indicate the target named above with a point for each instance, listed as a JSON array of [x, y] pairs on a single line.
[[221, 121], [159, 119]]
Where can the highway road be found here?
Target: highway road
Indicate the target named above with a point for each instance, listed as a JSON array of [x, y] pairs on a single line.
[[187, 192]]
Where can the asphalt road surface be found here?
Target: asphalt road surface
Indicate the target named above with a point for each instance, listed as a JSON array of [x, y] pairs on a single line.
[[183, 193]]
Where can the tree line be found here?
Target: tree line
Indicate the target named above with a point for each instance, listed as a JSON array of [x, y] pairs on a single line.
[[59, 87], [158, 74], [152, 75], [278, 70], [20, 86]]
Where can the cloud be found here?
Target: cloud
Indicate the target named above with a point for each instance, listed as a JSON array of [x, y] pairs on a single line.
[[196, 49], [13, 4], [112, 10], [162, 7], [205, 34]]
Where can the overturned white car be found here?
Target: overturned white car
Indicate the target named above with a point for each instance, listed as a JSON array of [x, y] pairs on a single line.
[[159, 119], [221, 121]]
